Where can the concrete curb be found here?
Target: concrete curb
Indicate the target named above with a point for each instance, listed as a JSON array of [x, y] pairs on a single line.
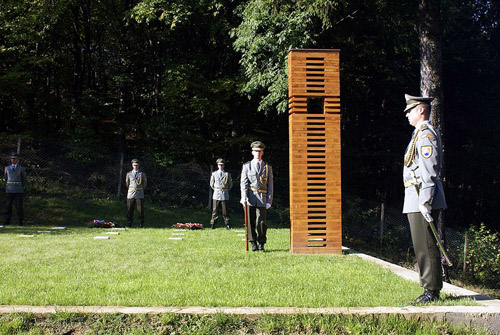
[[477, 316]]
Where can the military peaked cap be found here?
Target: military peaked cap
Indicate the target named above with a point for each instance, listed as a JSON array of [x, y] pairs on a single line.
[[412, 101], [135, 161], [221, 161], [257, 146]]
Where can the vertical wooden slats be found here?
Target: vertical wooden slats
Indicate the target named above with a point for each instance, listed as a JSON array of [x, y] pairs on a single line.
[[315, 179]]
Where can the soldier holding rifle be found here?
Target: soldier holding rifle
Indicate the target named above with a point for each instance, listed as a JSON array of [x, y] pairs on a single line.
[[257, 195], [424, 195]]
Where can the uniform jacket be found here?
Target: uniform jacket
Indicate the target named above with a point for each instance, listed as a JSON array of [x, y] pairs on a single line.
[[221, 185], [257, 186], [15, 179], [424, 156], [136, 183]]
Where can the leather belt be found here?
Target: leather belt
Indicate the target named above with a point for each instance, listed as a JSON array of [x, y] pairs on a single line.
[[260, 190], [135, 188], [14, 182]]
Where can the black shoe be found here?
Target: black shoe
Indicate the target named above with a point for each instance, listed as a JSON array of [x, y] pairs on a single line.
[[142, 226], [261, 247], [427, 297], [6, 223], [21, 224], [228, 227], [212, 226], [254, 246]]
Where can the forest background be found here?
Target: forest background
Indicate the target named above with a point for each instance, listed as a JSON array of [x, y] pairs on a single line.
[[179, 81]]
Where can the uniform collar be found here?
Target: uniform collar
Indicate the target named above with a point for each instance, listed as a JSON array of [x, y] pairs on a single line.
[[421, 123]]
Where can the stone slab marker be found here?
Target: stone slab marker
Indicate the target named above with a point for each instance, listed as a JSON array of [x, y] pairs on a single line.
[[314, 138]]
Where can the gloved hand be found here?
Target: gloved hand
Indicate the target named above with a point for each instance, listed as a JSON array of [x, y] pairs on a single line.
[[243, 201], [268, 205], [425, 209]]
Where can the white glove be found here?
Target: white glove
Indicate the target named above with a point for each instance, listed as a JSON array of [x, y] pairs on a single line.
[[425, 209], [268, 205], [243, 201]]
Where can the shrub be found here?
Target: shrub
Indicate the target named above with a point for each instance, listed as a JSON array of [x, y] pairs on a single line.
[[483, 255]]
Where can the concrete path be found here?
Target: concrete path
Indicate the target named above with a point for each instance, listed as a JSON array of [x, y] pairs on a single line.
[[486, 315]]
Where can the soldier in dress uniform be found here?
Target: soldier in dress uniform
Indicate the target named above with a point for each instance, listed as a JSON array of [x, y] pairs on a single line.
[[136, 183], [221, 182], [257, 192], [424, 195], [15, 179]]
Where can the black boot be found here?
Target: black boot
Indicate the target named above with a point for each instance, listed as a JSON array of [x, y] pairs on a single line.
[[212, 226], [254, 246], [261, 247], [228, 227], [427, 297]]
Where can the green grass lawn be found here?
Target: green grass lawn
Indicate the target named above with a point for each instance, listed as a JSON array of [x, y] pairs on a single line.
[[143, 267]]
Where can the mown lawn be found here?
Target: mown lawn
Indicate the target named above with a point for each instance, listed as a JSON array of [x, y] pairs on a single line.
[[144, 267]]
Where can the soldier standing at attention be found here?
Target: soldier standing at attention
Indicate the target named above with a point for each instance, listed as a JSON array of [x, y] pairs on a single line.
[[221, 182], [15, 179], [257, 193], [136, 183], [424, 195]]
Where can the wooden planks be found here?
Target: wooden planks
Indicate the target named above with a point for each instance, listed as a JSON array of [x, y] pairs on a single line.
[[315, 164]]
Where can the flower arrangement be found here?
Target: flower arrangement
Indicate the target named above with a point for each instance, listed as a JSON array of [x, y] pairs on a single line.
[[189, 225], [102, 224]]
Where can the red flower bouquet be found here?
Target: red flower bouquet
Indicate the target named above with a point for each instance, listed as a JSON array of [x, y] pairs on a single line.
[[102, 224], [188, 225]]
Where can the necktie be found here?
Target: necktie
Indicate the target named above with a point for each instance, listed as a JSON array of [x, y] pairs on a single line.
[[258, 166]]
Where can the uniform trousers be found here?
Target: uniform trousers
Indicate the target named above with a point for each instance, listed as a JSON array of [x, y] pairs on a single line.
[[257, 227], [426, 251], [17, 199], [131, 203], [215, 211]]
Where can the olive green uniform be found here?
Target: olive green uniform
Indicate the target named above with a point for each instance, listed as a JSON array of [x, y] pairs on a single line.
[[423, 159], [221, 183], [15, 183], [257, 188], [136, 183]]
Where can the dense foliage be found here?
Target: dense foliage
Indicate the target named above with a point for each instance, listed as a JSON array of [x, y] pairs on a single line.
[[483, 256], [181, 81]]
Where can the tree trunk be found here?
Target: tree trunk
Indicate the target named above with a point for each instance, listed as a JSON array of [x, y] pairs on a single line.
[[431, 79]]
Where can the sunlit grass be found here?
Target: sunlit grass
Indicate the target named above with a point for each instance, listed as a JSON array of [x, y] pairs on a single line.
[[143, 267]]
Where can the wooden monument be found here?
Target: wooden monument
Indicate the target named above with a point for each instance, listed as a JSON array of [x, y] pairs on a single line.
[[314, 125]]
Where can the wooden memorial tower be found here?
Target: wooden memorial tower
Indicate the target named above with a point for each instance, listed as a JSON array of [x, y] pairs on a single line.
[[314, 125]]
